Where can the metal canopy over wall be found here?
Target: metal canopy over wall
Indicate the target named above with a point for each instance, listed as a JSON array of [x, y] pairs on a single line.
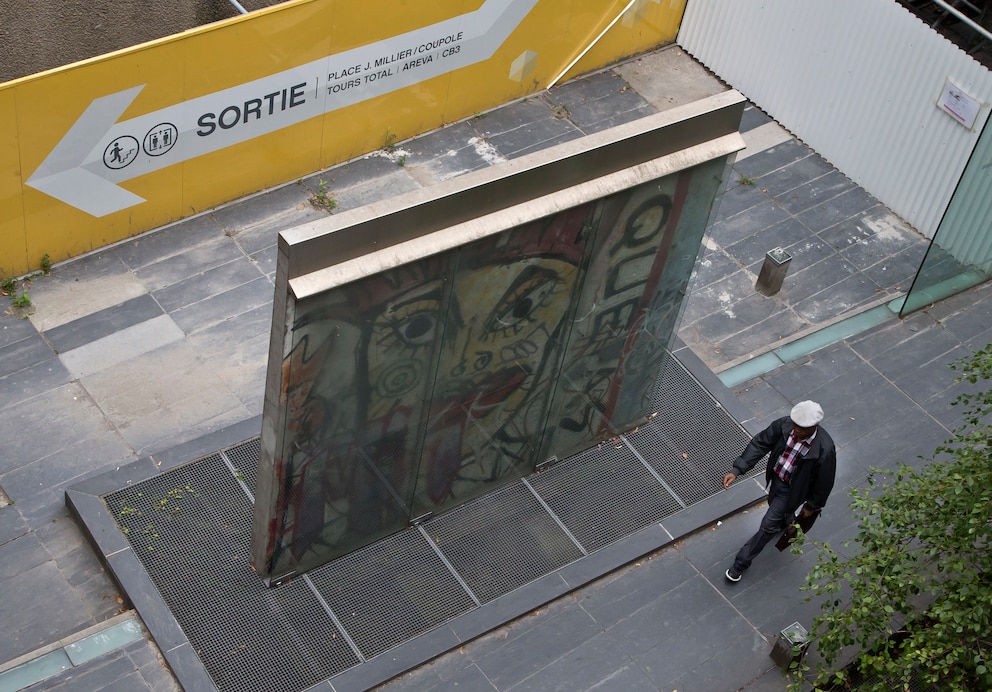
[[440, 583]]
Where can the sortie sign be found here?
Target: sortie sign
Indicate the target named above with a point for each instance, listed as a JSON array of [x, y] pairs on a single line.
[[97, 153]]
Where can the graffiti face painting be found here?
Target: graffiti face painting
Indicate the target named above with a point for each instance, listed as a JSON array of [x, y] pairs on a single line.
[[415, 389], [496, 328]]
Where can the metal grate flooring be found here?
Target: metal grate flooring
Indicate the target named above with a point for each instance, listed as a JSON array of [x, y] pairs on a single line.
[[190, 528]]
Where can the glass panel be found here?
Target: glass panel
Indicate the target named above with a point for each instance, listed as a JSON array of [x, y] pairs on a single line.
[[960, 255], [357, 386], [500, 353]]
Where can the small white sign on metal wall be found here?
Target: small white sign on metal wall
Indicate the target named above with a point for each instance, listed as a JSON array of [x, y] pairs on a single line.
[[958, 104]]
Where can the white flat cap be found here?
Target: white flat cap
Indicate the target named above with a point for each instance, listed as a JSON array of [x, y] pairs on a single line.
[[806, 414]]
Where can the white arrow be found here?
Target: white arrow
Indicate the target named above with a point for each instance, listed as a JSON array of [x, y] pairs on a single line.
[[97, 153]]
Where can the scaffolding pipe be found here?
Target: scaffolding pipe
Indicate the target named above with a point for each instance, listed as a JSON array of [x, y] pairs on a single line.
[[978, 28], [238, 7]]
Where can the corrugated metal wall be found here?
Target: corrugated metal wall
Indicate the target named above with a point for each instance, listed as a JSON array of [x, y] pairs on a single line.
[[858, 81]]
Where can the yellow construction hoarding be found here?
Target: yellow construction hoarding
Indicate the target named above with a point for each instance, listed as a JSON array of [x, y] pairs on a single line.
[[108, 148]]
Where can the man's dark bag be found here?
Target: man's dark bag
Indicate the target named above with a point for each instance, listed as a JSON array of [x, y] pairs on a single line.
[[803, 522]]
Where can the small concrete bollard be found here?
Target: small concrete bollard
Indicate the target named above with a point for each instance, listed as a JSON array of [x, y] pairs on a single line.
[[790, 646], [773, 271]]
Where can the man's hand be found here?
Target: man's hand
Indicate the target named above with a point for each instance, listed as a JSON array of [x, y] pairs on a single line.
[[807, 512], [728, 479]]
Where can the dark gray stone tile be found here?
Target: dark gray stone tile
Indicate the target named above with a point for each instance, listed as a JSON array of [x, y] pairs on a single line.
[[837, 209], [590, 661], [12, 524], [897, 271], [713, 266], [166, 242], [782, 325], [23, 630], [79, 419], [88, 329], [220, 307], [629, 678], [738, 197], [787, 233], [448, 152], [189, 263], [355, 172], [744, 659], [662, 620], [927, 380], [225, 277], [713, 632], [712, 548], [13, 330], [772, 159], [21, 554], [809, 194], [32, 381], [877, 340], [753, 117], [451, 670], [25, 353], [800, 172], [964, 325], [904, 438], [525, 126], [266, 260], [803, 282], [619, 595], [918, 347], [531, 650], [95, 265], [57, 469], [838, 297], [735, 228], [271, 211], [761, 399], [599, 101]]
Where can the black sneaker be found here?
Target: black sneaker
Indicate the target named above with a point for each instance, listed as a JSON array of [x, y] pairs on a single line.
[[733, 575]]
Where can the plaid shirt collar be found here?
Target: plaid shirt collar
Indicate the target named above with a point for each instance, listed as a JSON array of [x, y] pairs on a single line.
[[793, 453]]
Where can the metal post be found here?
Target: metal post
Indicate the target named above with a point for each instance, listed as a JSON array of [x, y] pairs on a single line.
[[790, 646], [773, 271]]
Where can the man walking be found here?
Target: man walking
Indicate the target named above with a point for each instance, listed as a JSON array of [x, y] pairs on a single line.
[[802, 461]]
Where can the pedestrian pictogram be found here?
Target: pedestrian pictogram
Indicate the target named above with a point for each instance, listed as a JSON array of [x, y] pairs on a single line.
[[120, 152]]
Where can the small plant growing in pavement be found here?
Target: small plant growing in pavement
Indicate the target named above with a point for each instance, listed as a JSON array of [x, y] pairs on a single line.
[[321, 199], [746, 181], [46, 264], [388, 140]]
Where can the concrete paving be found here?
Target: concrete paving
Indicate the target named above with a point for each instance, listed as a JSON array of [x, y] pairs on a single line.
[[138, 348]]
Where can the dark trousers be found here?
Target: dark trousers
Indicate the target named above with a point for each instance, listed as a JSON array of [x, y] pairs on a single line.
[[772, 524]]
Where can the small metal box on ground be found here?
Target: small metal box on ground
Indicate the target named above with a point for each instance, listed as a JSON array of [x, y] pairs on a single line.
[[790, 646], [773, 271]]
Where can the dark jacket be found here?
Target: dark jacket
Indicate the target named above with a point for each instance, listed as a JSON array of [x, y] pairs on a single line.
[[813, 478]]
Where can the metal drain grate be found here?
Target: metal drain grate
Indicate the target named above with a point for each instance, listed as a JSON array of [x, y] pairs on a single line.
[[692, 441], [604, 494], [391, 591], [190, 528], [501, 541], [244, 459]]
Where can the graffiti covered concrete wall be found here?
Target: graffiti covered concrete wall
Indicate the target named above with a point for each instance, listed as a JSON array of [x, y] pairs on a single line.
[[412, 389]]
